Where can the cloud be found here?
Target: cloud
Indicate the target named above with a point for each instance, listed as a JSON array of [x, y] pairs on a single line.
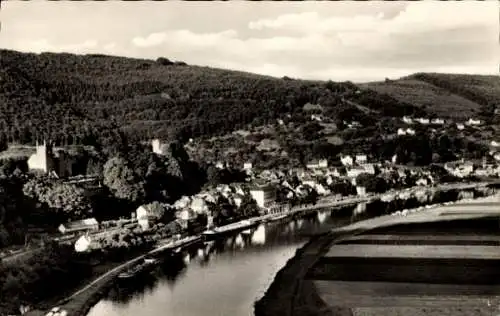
[[419, 16], [44, 45], [338, 41]]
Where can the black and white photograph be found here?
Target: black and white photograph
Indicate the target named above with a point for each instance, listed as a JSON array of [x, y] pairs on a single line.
[[250, 158]]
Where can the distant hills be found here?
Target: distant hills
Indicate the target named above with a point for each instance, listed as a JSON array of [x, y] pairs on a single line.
[[448, 95], [80, 98]]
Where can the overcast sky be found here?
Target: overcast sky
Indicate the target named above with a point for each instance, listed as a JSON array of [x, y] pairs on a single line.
[[314, 40]]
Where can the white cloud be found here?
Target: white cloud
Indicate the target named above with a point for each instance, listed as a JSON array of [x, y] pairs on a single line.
[[417, 17], [44, 45]]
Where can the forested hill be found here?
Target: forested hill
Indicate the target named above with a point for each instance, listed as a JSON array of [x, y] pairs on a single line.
[[452, 95], [79, 98]]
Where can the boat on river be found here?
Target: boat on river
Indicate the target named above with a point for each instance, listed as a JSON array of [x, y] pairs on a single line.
[[145, 266], [242, 225]]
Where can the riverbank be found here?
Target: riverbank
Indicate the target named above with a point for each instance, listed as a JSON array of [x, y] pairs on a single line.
[[78, 303], [281, 298]]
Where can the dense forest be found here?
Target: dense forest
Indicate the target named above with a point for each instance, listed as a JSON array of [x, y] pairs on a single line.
[[84, 98]]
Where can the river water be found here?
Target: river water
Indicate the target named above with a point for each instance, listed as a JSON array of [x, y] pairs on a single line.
[[227, 275]]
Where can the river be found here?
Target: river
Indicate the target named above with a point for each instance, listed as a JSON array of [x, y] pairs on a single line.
[[225, 276]]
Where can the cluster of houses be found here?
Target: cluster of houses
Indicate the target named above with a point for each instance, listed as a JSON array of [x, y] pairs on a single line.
[[440, 121], [462, 169]]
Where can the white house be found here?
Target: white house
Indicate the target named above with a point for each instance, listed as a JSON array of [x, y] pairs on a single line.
[[421, 120], [361, 159], [219, 165], [495, 143], [354, 172], [346, 160], [410, 131], [472, 121], [186, 214], [437, 121], [361, 191], [394, 159], [460, 126], [422, 181], [407, 120], [199, 205], [247, 166], [83, 243], [182, 202], [83, 225], [401, 131], [369, 168], [322, 163], [315, 117], [263, 195], [159, 147], [497, 156]]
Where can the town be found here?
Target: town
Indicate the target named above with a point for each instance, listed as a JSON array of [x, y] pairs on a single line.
[[312, 159]]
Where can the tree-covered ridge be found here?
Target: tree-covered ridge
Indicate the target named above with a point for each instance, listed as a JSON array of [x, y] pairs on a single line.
[[77, 97]]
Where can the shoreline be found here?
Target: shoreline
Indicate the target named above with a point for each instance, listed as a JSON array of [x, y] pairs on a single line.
[[279, 298], [93, 292]]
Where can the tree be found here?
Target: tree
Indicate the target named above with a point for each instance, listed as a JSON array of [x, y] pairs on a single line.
[[122, 181], [69, 199], [248, 207]]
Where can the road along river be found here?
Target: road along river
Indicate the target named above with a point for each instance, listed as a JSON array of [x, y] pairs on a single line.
[[226, 275]]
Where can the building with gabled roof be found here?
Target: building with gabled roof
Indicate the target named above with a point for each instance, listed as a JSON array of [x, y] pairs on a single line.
[[84, 225]]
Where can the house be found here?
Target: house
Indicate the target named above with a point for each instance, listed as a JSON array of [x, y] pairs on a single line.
[[84, 225], [495, 143], [472, 121], [369, 168], [460, 126], [394, 159], [316, 117], [361, 159], [354, 172], [334, 172], [408, 131], [84, 243], [407, 120], [437, 121], [346, 160], [186, 214], [353, 124], [422, 181], [219, 165], [460, 170], [247, 166], [238, 199], [199, 205], [182, 202], [322, 163], [423, 121], [148, 213], [321, 189], [361, 191], [496, 156], [159, 147], [263, 195]]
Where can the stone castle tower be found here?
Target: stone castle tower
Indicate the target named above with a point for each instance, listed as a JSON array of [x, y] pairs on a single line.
[[42, 159]]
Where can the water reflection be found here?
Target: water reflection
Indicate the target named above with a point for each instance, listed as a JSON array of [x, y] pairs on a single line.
[[226, 275]]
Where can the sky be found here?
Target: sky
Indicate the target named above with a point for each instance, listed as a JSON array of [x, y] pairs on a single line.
[[339, 41]]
